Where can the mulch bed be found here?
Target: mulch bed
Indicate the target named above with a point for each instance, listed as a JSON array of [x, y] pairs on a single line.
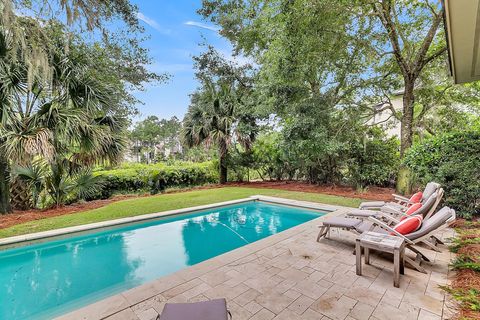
[[373, 193], [466, 279], [18, 217], [466, 282]]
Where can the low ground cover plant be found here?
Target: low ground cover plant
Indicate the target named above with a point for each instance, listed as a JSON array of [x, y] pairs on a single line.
[[465, 288]]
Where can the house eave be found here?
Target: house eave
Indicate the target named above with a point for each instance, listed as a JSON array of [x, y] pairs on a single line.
[[462, 23]]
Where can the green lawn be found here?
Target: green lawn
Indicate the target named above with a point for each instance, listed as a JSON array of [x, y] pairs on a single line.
[[164, 202]]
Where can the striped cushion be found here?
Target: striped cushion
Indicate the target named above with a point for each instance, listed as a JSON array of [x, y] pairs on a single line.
[[414, 208], [417, 197]]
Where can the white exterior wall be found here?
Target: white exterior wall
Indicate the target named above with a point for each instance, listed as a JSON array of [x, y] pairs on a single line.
[[386, 120]]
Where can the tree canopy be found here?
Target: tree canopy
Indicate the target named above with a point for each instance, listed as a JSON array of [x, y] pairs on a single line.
[[65, 97], [352, 53]]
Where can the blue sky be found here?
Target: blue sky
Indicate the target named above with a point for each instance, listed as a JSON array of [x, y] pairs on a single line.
[[175, 31]]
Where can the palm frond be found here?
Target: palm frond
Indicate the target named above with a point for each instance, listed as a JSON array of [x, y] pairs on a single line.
[[23, 145], [86, 185], [34, 175]]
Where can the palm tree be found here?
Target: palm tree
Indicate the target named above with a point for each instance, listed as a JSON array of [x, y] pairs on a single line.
[[63, 119], [4, 186], [212, 118], [9, 88]]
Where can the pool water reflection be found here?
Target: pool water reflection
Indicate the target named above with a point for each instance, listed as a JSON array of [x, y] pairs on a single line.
[[43, 280]]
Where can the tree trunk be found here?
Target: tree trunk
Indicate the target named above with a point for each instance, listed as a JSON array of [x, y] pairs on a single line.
[[406, 136], [404, 180], [4, 186], [20, 196], [223, 166], [406, 132]]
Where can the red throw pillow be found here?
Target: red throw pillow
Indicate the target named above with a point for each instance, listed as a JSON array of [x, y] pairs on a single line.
[[413, 208], [408, 225], [417, 197]]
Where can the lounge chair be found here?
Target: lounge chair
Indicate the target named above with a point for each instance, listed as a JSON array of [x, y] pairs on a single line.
[[392, 215], [205, 310], [400, 201], [434, 224], [427, 209]]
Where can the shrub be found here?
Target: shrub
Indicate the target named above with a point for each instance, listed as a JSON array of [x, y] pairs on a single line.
[[453, 160], [269, 158], [373, 161], [361, 160], [154, 178], [50, 185]]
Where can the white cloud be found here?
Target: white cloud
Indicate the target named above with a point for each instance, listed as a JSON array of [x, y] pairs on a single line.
[[201, 25], [237, 59], [152, 23]]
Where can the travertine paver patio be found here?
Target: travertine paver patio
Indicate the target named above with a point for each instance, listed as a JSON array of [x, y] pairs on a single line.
[[290, 276]]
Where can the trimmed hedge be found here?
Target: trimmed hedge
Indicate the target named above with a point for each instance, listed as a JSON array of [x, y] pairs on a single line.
[[155, 178], [453, 160]]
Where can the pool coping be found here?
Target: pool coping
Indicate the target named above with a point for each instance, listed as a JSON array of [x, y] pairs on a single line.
[[116, 303], [25, 239]]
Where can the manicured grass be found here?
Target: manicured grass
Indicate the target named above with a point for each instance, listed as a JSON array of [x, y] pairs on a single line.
[[134, 207]]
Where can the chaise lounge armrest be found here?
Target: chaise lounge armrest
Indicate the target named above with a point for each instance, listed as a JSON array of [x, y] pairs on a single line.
[[394, 210], [386, 227], [365, 214], [400, 198]]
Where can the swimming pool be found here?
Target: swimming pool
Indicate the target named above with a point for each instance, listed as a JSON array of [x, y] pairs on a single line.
[[39, 281]]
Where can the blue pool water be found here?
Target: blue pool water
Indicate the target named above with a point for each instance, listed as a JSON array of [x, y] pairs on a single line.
[[42, 280]]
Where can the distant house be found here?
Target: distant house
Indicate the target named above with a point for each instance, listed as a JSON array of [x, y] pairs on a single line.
[[169, 148], [150, 154], [384, 118]]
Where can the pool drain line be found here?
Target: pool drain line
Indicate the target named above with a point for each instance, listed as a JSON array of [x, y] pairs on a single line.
[[235, 232]]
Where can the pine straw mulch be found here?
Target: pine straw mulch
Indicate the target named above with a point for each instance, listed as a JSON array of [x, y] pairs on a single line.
[[466, 279], [18, 217], [371, 193], [465, 287], [471, 250]]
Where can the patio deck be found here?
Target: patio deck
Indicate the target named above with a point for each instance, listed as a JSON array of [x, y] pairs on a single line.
[[290, 276]]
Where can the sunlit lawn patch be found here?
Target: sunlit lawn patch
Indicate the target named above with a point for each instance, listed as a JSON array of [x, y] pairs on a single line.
[[164, 202]]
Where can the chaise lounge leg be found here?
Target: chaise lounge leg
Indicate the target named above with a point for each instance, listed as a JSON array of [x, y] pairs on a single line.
[[431, 246], [437, 241], [419, 254], [324, 230], [415, 264], [320, 231]]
